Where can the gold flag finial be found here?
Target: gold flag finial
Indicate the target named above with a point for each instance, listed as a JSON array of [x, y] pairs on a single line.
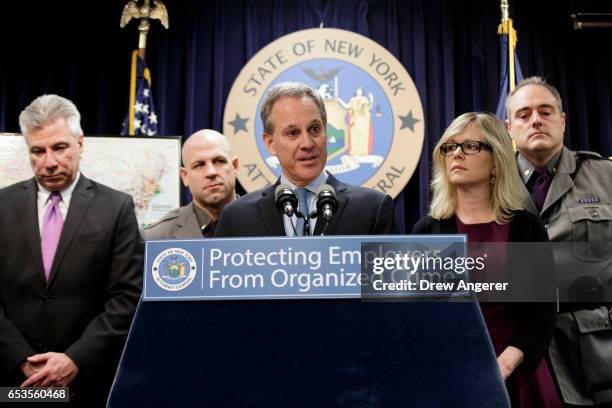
[[504, 10], [144, 13], [506, 26]]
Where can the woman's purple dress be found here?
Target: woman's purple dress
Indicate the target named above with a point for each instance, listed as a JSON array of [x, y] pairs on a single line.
[[526, 389]]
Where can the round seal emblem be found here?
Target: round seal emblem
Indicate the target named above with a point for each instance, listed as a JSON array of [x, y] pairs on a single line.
[[174, 269], [375, 118]]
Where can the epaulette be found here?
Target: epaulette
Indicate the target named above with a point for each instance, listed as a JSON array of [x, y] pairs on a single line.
[[169, 216], [585, 154]]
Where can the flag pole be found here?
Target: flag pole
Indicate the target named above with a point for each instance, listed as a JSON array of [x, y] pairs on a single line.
[[144, 13], [131, 112], [506, 28]]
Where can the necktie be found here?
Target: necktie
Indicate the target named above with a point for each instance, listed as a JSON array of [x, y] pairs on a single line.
[[302, 195], [209, 229], [540, 187], [51, 230]]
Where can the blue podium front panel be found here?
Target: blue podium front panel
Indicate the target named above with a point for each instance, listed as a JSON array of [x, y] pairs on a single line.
[[321, 351]]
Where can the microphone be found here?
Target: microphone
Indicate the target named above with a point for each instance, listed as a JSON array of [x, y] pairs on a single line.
[[326, 202], [286, 200]]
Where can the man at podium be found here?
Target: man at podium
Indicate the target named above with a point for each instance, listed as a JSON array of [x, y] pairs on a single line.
[[295, 131]]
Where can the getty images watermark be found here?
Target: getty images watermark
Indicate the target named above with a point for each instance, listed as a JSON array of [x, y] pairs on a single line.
[[491, 272]]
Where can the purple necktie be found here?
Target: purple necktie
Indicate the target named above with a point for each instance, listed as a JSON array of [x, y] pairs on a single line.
[[209, 229], [51, 230], [540, 187]]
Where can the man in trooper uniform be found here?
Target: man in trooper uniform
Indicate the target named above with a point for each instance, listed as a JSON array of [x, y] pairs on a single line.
[[209, 171], [572, 193]]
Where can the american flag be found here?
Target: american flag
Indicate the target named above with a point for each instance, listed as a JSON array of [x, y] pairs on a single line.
[[510, 69], [141, 118]]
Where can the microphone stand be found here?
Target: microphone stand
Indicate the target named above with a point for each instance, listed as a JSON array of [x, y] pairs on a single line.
[[306, 231], [307, 219], [314, 215], [297, 215], [325, 228]]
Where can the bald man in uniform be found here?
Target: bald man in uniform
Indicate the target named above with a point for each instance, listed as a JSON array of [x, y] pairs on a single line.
[[209, 171]]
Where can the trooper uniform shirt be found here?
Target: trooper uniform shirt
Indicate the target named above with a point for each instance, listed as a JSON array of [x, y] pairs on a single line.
[[578, 211], [180, 223], [574, 197]]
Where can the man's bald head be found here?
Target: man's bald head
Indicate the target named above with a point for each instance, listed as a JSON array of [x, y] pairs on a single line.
[[209, 170], [206, 137]]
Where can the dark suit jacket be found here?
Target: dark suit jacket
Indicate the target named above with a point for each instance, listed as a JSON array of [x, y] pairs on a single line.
[[86, 307], [361, 211], [537, 320]]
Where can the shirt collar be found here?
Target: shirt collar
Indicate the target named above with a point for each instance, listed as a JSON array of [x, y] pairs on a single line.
[[527, 168], [201, 216], [66, 193], [313, 186]]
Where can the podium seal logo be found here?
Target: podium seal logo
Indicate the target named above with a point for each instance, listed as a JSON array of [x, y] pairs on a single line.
[[174, 269], [375, 123]]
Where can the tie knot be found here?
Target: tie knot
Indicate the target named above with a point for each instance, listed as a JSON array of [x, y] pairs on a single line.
[[302, 193], [302, 196], [55, 197], [541, 171]]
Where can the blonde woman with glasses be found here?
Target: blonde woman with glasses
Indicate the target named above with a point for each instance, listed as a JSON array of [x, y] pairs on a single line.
[[476, 192]]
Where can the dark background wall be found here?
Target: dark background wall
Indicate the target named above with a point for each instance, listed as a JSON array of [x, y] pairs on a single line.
[[449, 47]]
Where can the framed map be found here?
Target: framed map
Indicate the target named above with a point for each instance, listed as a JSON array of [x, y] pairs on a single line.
[[147, 168]]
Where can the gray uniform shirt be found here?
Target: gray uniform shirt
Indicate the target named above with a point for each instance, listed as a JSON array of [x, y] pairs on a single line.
[[578, 211], [180, 223]]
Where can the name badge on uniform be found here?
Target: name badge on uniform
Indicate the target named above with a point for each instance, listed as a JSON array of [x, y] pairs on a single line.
[[589, 200]]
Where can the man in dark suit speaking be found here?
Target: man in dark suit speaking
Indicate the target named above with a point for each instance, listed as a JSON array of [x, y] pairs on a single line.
[[70, 264], [295, 130]]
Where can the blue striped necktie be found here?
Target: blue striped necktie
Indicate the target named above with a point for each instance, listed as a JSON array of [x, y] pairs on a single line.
[[302, 195]]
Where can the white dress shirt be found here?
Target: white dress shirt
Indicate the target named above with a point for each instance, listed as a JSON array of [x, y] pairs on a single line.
[[43, 200]]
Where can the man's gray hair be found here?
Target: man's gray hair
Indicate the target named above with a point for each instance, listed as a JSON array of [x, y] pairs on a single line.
[[535, 80], [47, 108], [293, 90]]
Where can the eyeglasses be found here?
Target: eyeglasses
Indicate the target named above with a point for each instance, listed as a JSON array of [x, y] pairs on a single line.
[[467, 147]]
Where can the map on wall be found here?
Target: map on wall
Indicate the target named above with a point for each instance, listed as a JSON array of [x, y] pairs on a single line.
[[147, 168]]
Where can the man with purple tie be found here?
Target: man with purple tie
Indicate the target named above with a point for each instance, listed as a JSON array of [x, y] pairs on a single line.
[[70, 264], [572, 194]]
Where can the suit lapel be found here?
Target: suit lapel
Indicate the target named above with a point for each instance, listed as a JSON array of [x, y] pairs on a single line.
[[562, 181], [81, 198], [561, 184], [189, 227], [270, 217], [528, 203], [342, 199], [28, 214]]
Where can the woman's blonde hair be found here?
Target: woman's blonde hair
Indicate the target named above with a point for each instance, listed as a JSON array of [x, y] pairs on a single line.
[[505, 194]]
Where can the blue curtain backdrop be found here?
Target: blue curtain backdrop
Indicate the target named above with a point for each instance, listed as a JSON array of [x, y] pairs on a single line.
[[449, 47]]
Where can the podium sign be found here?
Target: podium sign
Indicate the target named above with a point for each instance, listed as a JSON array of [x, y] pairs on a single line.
[[278, 268]]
